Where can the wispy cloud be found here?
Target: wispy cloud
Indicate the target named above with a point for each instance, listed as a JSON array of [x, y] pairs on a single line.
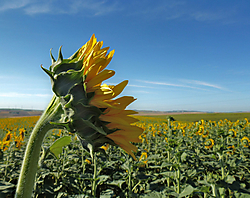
[[169, 84], [183, 10], [31, 7], [13, 4], [21, 95], [200, 83], [183, 83], [140, 86]]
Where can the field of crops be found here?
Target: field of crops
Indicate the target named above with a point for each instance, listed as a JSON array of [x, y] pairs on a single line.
[[202, 158]]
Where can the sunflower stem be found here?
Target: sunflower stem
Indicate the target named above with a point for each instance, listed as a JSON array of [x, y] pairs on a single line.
[[178, 179], [222, 173], [30, 162], [94, 184], [168, 179], [130, 180]]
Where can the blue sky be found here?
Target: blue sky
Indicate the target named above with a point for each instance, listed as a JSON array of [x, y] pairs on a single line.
[[176, 54]]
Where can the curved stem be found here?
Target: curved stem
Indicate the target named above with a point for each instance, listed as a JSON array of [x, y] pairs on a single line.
[[30, 162]]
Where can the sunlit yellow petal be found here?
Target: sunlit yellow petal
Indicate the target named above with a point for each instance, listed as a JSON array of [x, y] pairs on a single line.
[[125, 145], [105, 74]]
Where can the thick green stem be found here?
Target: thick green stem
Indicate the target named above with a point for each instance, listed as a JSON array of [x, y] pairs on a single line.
[[222, 173], [168, 179], [129, 180], [30, 162], [178, 180], [94, 175]]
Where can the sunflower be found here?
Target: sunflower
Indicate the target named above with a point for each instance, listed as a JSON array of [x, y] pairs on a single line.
[[209, 143], [201, 130], [87, 161], [232, 148], [91, 108], [232, 133], [205, 133], [8, 137], [245, 141], [21, 133], [105, 147], [143, 157]]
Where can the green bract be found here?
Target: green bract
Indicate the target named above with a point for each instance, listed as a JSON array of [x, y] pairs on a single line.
[[67, 79]]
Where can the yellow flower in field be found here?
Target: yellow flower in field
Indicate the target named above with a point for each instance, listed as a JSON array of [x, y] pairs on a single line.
[[7, 137], [144, 157], [201, 130], [18, 143], [231, 148], [245, 141], [86, 160], [5, 145], [166, 139], [105, 147], [119, 119], [232, 133], [205, 134], [21, 133], [91, 107], [209, 143]]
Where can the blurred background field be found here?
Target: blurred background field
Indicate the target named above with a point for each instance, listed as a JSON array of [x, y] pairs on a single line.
[[193, 117], [190, 157]]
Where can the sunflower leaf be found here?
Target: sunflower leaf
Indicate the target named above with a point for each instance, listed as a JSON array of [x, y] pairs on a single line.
[[56, 147]]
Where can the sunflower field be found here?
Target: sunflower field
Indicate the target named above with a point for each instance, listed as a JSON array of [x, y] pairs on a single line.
[[175, 159]]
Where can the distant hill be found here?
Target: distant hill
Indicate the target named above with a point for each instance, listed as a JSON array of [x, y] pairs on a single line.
[[148, 112], [6, 113]]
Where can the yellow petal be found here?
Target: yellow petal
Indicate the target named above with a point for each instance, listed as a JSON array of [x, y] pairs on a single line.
[[105, 74], [122, 102], [118, 118], [125, 145], [129, 133]]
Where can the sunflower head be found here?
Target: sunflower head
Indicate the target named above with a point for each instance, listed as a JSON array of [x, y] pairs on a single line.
[[90, 108], [205, 133], [209, 143], [245, 141], [232, 133], [232, 149], [143, 158]]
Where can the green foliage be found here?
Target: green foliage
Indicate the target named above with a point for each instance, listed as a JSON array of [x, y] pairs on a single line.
[[57, 146], [177, 164]]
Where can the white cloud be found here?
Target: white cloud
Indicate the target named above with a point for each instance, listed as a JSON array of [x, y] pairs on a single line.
[[38, 9], [169, 84], [89, 7], [184, 10], [21, 95], [197, 82], [140, 86], [13, 4], [184, 83]]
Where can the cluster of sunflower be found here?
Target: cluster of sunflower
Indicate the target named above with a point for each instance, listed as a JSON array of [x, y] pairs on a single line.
[[13, 137], [10, 124], [208, 131]]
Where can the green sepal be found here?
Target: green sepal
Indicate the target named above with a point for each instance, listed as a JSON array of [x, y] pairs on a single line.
[[66, 125], [64, 81], [74, 56], [68, 65], [53, 60], [78, 115], [51, 75], [60, 56]]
